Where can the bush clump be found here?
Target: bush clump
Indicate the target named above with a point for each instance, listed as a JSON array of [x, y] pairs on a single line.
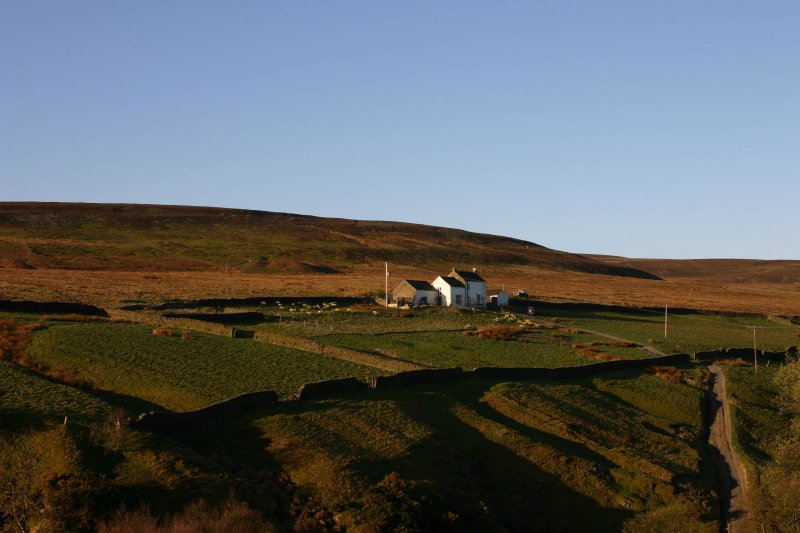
[[596, 354], [496, 333]]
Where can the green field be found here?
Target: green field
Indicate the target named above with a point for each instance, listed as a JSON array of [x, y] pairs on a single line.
[[686, 333], [27, 398], [172, 373], [518, 456], [757, 419], [449, 349], [316, 320], [467, 454]]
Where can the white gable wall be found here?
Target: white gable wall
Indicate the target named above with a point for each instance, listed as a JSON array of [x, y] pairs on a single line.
[[476, 292], [449, 293], [430, 297]]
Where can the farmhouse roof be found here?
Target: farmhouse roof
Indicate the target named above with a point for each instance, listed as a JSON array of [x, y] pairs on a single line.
[[420, 285], [466, 275], [453, 282]]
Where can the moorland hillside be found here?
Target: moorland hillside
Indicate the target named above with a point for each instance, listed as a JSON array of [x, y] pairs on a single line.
[[169, 238]]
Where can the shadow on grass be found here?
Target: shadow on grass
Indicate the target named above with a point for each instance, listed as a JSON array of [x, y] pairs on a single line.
[[131, 404]]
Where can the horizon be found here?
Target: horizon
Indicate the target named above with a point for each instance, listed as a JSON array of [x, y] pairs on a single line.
[[639, 131]]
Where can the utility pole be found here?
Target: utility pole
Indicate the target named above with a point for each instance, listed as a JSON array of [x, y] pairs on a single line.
[[666, 312], [755, 349], [386, 290]]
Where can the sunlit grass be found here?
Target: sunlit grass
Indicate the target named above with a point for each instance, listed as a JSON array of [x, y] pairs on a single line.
[[181, 374]]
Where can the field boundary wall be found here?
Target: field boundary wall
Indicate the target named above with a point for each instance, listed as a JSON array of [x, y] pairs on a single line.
[[206, 418], [215, 415], [330, 388], [25, 306], [745, 353]]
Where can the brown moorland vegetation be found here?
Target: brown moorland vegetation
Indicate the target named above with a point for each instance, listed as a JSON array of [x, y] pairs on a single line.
[[111, 288], [496, 333], [14, 339], [66, 261]]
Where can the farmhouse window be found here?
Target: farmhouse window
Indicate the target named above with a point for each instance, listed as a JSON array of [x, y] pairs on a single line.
[[459, 301]]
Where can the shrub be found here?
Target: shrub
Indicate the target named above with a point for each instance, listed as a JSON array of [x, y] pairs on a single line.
[[737, 361], [497, 333], [596, 354], [670, 373], [167, 332], [393, 505], [231, 517]]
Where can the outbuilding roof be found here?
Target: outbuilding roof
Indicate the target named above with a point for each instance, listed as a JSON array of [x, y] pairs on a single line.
[[420, 285]]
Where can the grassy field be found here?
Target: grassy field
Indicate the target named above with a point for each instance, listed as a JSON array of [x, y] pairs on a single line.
[[448, 349], [27, 398], [178, 374], [686, 333], [471, 454], [519, 456], [436, 337], [756, 415]]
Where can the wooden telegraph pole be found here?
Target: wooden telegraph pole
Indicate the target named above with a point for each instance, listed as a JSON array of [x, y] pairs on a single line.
[[386, 289], [666, 312], [755, 350]]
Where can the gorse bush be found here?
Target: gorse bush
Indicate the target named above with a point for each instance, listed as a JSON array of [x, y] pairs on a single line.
[[670, 373], [595, 354], [496, 333]]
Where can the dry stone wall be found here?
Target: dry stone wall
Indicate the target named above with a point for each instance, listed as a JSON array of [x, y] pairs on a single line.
[[213, 416], [207, 418], [745, 353], [331, 388]]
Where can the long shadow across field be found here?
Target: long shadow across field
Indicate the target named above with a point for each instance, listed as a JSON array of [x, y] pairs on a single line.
[[457, 461]]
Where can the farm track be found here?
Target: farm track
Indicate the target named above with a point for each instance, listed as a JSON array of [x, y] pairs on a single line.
[[644, 347], [732, 477]]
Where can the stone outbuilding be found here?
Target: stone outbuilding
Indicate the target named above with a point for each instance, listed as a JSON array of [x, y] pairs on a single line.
[[414, 292]]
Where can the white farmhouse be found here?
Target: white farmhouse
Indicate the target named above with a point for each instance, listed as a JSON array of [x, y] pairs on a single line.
[[452, 292], [474, 286]]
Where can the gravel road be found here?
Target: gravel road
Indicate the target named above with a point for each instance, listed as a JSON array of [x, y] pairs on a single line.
[[732, 477]]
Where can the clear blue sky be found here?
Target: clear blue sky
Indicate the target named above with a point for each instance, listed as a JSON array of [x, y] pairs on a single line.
[[646, 129]]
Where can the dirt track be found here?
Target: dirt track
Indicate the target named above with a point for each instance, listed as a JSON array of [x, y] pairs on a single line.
[[732, 477]]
